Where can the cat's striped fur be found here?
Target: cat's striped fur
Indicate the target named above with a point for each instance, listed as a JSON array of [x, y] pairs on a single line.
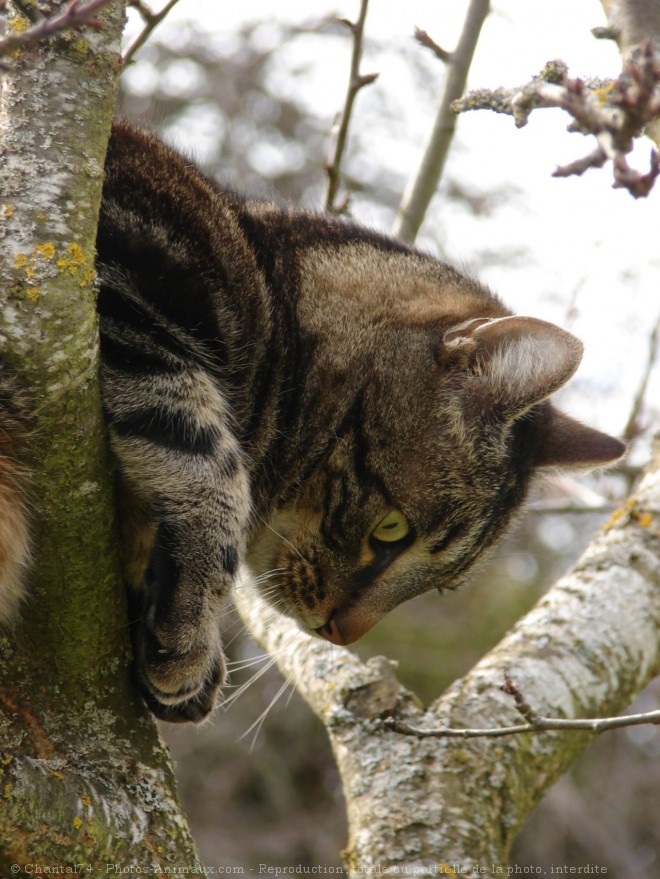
[[305, 396]]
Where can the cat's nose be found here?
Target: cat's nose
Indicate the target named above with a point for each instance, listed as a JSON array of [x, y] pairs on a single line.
[[347, 625], [331, 632]]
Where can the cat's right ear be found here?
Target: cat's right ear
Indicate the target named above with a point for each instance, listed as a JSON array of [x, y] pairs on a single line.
[[512, 363]]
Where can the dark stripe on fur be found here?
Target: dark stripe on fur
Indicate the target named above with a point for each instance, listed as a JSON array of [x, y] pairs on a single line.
[[167, 428]]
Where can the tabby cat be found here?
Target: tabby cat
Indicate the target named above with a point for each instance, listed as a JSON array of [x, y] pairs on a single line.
[[351, 418]]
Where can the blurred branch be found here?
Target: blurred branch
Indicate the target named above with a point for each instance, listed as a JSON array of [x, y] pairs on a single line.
[[418, 196], [425, 40], [632, 428], [74, 16], [151, 19], [615, 113], [356, 82]]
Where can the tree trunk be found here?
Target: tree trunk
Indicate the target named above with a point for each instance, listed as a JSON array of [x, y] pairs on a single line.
[[85, 779]]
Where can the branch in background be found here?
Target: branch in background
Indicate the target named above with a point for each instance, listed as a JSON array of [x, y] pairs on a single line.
[[356, 82], [615, 113], [425, 40], [536, 723], [151, 20], [632, 428], [418, 196], [74, 16]]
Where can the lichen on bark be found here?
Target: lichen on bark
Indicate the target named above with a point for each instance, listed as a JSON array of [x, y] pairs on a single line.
[[84, 777]]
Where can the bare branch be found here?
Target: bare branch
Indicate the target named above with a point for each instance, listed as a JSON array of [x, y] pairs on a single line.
[[615, 113], [425, 40], [632, 427], [74, 16], [356, 82], [152, 20], [537, 724], [418, 196]]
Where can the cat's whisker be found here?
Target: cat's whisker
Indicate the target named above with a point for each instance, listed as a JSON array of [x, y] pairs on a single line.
[[258, 723], [281, 536]]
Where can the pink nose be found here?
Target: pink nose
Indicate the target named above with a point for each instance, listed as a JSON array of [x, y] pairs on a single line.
[[346, 626], [331, 632]]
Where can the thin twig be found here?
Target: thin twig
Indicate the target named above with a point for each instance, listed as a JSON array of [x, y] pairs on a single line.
[[536, 723], [615, 112], [74, 15], [418, 196], [632, 428], [595, 725], [356, 82], [152, 19], [429, 43]]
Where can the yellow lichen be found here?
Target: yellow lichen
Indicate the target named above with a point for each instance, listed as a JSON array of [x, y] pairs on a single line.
[[20, 260], [77, 822], [47, 250], [6, 791], [602, 94], [645, 519], [57, 775], [73, 260], [619, 515], [33, 292], [19, 24], [8, 211], [88, 278], [86, 801]]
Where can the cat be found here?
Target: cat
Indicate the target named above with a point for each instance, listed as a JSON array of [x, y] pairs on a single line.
[[354, 420]]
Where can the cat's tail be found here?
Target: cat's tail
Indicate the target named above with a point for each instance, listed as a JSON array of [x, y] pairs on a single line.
[[14, 514]]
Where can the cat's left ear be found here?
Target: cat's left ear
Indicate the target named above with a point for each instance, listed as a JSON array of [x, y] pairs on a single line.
[[518, 361]]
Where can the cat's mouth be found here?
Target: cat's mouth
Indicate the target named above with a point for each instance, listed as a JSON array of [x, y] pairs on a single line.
[[348, 625]]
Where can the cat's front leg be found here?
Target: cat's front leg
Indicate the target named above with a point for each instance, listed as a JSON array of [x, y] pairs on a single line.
[[184, 463]]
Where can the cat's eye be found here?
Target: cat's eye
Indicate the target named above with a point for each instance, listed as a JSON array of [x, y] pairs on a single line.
[[392, 528]]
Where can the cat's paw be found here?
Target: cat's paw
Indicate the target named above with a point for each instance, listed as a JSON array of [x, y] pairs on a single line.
[[180, 672]]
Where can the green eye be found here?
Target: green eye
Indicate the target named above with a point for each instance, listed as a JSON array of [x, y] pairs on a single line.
[[392, 528]]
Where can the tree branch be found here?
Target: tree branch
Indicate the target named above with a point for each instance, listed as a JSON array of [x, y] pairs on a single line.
[[536, 723], [632, 428], [73, 16], [152, 20], [356, 82], [615, 113], [418, 196]]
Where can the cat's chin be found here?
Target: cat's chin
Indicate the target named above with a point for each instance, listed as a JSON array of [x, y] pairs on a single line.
[[348, 625]]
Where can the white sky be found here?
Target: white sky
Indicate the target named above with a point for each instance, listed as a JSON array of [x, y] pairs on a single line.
[[578, 238]]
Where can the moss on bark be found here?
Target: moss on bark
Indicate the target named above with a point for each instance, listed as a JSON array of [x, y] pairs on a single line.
[[84, 777]]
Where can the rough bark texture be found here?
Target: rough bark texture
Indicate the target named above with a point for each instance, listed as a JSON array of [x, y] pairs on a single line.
[[633, 22], [586, 649], [84, 778]]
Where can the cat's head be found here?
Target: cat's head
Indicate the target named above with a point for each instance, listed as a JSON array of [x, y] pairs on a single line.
[[419, 485]]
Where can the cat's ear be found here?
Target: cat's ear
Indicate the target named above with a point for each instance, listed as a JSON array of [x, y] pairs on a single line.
[[565, 442], [515, 361]]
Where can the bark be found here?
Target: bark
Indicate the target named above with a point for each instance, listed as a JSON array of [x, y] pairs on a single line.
[[633, 22], [84, 777], [589, 646]]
